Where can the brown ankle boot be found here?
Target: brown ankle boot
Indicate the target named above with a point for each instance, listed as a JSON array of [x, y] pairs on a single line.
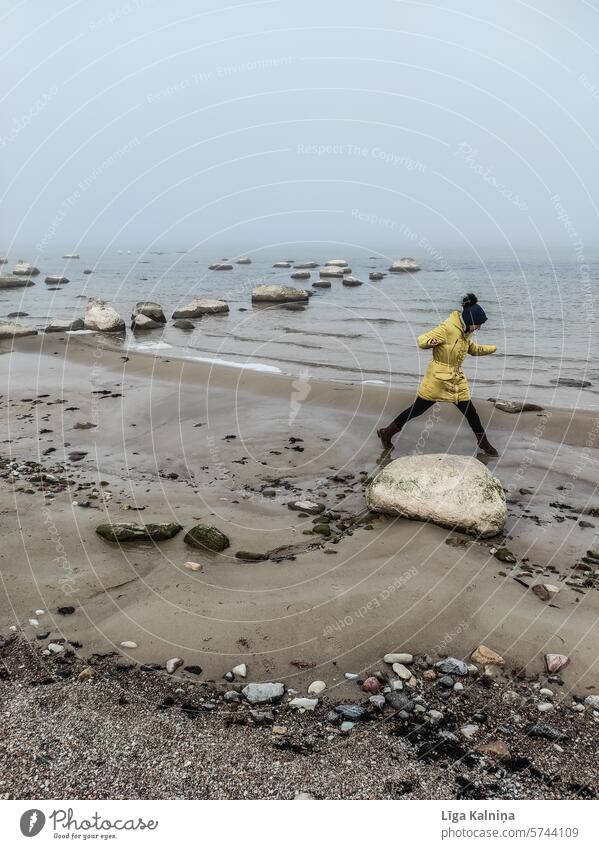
[[385, 434], [485, 445]]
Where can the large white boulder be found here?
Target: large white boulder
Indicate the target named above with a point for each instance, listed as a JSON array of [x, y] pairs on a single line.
[[201, 306], [406, 263], [101, 316], [273, 293], [10, 329], [447, 489]]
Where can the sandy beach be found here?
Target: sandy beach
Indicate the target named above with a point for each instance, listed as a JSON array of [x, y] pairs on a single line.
[[193, 442]]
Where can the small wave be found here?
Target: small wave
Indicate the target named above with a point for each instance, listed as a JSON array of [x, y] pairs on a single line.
[[244, 366]]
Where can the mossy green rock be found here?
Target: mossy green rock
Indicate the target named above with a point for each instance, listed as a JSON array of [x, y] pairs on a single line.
[[127, 531], [322, 529], [205, 536]]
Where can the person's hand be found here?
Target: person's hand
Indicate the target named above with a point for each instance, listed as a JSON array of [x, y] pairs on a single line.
[[434, 342]]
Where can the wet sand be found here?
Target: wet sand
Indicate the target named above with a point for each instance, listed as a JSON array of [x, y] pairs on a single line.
[[158, 452]]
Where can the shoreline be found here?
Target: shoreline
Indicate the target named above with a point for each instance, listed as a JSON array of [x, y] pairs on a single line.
[[161, 443]]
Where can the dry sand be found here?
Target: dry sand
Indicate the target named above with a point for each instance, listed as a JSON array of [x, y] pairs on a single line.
[[159, 444]]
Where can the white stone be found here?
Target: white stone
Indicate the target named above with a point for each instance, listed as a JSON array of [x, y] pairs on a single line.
[[102, 317], [346, 726], [173, 664], [468, 731], [447, 489], [544, 691], [406, 263], [592, 702], [435, 715], [128, 644], [303, 704], [34, 622], [544, 707], [273, 293], [401, 671], [55, 648], [240, 671], [263, 694], [401, 657], [316, 688], [39, 612], [351, 676], [202, 306], [396, 684], [340, 263]]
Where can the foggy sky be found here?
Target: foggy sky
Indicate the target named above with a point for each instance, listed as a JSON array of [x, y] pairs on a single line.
[[254, 124]]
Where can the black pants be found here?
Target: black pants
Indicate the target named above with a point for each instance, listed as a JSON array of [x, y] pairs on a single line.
[[421, 405]]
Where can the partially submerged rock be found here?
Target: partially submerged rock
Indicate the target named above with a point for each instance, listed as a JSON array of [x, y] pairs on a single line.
[[13, 281], [150, 309], [184, 324], [127, 531], [102, 317], [376, 275], [144, 322], [65, 327], [244, 260], [220, 266], [202, 306], [331, 271], [205, 536], [56, 279], [25, 269], [450, 490], [351, 281], [274, 293], [406, 263], [10, 329]]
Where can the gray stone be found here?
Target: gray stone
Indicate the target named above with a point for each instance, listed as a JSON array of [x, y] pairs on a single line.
[[400, 701], [350, 711], [452, 666]]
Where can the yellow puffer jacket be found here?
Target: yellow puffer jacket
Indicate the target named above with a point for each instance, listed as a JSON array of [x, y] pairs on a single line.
[[444, 379]]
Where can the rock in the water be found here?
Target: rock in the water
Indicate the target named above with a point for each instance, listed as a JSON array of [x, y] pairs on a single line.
[[64, 327], [316, 688], [300, 275], [375, 275], [150, 309], [449, 490], [205, 536], [569, 381], [283, 264], [351, 281], [452, 666], [274, 293], [184, 324], [173, 664], [10, 329], [483, 654], [25, 269], [144, 322], [338, 263], [515, 406], [406, 263], [220, 266], [102, 317], [12, 281], [263, 694], [306, 506], [244, 260], [309, 264], [321, 284], [555, 662], [56, 279], [331, 271], [125, 531], [202, 306]]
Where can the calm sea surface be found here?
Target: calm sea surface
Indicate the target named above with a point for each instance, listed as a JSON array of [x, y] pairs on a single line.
[[542, 316]]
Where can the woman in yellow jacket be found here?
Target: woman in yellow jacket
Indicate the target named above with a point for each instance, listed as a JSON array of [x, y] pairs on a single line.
[[444, 379]]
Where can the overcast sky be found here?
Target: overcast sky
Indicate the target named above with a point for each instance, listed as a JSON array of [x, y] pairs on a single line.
[[247, 124]]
